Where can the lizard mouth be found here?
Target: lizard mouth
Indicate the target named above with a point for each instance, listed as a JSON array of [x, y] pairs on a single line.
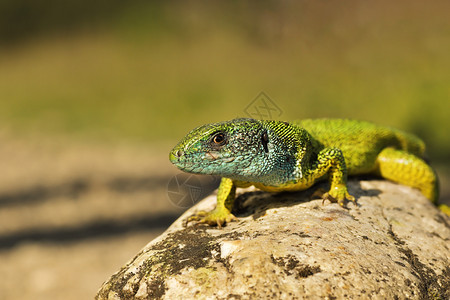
[[198, 164], [214, 155]]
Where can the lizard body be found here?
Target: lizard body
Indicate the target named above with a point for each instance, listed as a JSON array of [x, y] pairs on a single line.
[[279, 156]]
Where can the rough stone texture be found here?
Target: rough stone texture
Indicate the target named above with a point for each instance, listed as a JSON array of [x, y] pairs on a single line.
[[395, 245]]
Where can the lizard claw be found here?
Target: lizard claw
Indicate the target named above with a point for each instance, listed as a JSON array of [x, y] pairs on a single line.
[[214, 218], [318, 194]]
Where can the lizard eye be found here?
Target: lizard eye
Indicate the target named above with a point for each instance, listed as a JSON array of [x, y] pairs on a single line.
[[218, 139]]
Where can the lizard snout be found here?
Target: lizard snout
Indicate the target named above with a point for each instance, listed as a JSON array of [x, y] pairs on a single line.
[[175, 155]]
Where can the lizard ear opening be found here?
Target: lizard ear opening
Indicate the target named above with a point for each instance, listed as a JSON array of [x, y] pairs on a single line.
[[265, 141]]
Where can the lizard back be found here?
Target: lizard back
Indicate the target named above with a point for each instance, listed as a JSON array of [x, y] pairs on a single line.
[[360, 141]]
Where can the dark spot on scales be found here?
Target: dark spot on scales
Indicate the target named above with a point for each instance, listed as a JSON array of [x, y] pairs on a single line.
[[265, 140]]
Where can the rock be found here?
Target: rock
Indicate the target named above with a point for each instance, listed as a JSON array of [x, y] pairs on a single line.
[[394, 245]]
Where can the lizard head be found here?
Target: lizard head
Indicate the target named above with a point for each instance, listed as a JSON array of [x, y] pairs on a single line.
[[241, 149], [232, 148]]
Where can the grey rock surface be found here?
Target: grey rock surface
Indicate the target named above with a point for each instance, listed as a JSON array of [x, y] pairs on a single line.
[[394, 245]]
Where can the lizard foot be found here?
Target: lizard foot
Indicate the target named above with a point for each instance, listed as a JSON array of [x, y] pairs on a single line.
[[337, 194], [217, 217]]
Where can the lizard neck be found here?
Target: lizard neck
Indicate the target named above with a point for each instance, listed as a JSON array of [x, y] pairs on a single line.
[[287, 156]]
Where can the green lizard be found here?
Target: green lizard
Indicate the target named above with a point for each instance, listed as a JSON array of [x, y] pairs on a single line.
[[280, 156]]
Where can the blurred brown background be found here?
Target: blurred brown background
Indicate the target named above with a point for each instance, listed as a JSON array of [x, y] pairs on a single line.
[[94, 94]]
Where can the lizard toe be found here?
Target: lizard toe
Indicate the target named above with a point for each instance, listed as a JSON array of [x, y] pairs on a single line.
[[318, 194], [212, 218], [327, 196]]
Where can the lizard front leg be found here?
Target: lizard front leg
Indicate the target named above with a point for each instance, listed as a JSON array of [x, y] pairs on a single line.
[[331, 162], [222, 213]]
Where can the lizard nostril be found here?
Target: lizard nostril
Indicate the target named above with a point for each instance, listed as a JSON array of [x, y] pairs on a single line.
[[179, 153]]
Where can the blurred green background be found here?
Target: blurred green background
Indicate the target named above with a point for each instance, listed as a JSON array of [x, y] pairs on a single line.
[[93, 94], [148, 72]]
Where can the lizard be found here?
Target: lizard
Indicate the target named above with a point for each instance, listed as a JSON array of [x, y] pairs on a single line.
[[276, 156]]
